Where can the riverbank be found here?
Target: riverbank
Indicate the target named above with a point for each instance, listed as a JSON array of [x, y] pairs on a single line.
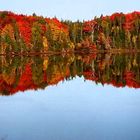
[[113, 51]]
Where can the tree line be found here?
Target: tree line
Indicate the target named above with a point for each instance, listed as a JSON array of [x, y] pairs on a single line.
[[25, 34]]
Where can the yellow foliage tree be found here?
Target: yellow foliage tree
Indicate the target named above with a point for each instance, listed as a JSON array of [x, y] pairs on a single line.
[[45, 44], [6, 31]]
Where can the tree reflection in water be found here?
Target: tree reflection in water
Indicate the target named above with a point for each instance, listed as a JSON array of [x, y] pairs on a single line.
[[37, 72]]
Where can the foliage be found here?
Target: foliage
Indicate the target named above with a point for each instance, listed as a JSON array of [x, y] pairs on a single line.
[[24, 34]]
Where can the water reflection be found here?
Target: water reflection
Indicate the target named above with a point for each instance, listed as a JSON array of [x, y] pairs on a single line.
[[38, 72]]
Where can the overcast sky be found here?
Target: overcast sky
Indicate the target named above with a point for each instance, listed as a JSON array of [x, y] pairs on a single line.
[[70, 9]]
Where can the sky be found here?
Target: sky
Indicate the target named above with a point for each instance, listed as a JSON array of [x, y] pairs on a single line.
[[70, 9]]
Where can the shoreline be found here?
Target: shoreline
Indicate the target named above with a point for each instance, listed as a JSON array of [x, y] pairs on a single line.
[[112, 51]]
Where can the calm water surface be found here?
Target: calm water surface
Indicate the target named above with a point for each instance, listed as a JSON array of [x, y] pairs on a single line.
[[74, 107]]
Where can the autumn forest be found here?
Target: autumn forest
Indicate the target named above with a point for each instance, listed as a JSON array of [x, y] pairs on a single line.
[[24, 35], [37, 52]]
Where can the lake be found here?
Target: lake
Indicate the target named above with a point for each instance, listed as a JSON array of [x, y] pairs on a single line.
[[70, 97]]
